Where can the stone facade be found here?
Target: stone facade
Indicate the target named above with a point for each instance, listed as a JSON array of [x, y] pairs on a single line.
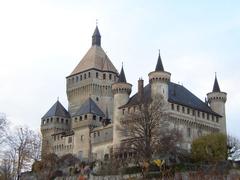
[[98, 97]]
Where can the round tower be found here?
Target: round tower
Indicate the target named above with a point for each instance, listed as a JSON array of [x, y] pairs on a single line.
[[121, 91], [217, 100], [159, 80]]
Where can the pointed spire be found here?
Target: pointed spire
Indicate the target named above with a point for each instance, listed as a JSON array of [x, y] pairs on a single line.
[[122, 78], [159, 66], [216, 87], [96, 37]]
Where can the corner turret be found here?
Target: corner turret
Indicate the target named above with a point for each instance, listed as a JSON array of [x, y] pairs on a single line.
[[121, 91], [56, 120], [217, 100], [159, 80]]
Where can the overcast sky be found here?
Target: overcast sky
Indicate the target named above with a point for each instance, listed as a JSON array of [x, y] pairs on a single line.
[[42, 41]]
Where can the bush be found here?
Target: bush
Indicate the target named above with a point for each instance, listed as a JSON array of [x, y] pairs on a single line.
[[132, 170], [210, 148]]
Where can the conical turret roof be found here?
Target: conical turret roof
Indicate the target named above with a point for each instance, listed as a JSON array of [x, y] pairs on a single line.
[[57, 110], [216, 87], [122, 78], [159, 66]]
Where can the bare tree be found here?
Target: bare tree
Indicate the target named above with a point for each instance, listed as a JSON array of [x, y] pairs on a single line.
[[24, 146], [147, 130], [3, 128]]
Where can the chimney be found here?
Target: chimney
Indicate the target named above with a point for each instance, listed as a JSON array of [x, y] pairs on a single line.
[[140, 89]]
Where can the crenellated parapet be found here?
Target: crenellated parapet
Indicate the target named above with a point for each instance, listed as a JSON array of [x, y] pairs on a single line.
[[122, 88], [159, 76]]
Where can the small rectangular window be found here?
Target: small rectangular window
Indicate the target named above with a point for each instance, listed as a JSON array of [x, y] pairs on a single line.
[[183, 109], [104, 76], [193, 112], [85, 117], [188, 110], [177, 107], [89, 74], [94, 117], [198, 113], [96, 74], [123, 111], [172, 106], [70, 140], [189, 132], [110, 76], [203, 115]]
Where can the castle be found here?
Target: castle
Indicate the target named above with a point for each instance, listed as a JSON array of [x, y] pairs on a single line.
[[98, 96]]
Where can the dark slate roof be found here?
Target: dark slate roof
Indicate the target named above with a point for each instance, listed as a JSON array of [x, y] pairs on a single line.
[[89, 107], [122, 78], [178, 95], [96, 37], [96, 32], [57, 110], [159, 66], [216, 87]]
